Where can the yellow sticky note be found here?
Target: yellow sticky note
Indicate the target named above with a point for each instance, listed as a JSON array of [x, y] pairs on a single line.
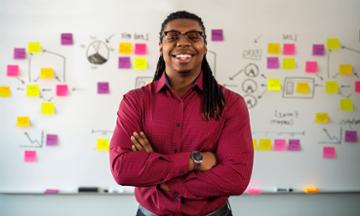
[[302, 87], [346, 104], [345, 69], [274, 48], [102, 145], [140, 63], [333, 43], [255, 144], [23, 121], [46, 73], [331, 87], [34, 47], [322, 118], [289, 63], [274, 85], [125, 48], [32, 91], [47, 108], [265, 144], [4, 91]]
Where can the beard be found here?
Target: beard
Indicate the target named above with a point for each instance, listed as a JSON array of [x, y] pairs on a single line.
[[184, 72]]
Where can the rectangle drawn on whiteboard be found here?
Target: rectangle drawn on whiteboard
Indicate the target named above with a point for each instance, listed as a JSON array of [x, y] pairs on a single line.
[[291, 83], [142, 81]]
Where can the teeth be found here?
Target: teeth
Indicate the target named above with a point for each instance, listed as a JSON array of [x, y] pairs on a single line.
[[183, 56]]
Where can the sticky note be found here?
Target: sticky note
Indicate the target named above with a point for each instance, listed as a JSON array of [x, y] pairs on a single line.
[[331, 87], [333, 43], [321, 118], [357, 86], [124, 62], [34, 47], [265, 144], [318, 49], [302, 87], [253, 191], [32, 91], [125, 48], [103, 88], [66, 39], [19, 53], [289, 49], [273, 48], [311, 67], [51, 191], [12, 71], [47, 108], [311, 190], [30, 156], [272, 62], [288, 63], [255, 144], [274, 85], [279, 145], [102, 145], [51, 139], [140, 63], [46, 73], [294, 145], [23, 121], [351, 136], [346, 104], [329, 153], [345, 69], [140, 49], [217, 35], [62, 90], [4, 91]]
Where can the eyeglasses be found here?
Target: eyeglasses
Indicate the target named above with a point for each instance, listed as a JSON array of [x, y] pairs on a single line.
[[191, 36]]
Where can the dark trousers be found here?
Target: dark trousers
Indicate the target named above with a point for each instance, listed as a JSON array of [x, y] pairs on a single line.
[[228, 213]]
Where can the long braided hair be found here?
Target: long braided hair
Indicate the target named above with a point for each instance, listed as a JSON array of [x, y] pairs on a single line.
[[213, 98]]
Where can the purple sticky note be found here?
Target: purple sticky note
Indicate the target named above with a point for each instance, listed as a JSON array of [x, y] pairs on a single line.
[[217, 35], [124, 62], [311, 67], [357, 86], [19, 53], [51, 139], [279, 145], [12, 70], [62, 90], [51, 191], [289, 49], [103, 88], [30, 156], [294, 145], [318, 50], [66, 39], [272, 62], [351, 136], [140, 49], [329, 152]]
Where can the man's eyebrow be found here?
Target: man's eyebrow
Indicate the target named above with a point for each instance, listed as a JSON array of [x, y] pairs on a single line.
[[180, 31]]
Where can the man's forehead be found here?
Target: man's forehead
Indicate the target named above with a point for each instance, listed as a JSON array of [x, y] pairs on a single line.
[[182, 23]]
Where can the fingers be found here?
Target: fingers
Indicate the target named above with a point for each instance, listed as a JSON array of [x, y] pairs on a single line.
[[140, 142]]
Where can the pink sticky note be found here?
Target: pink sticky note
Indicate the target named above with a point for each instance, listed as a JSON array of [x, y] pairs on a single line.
[[103, 88], [329, 153], [289, 49], [19, 53], [311, 67], [279, 145], [357, 86], [217, 35], [140, 49], [351, 136], [51, 139], [272, 62], [66, 39], [30, 156], [318, 50], [124, 62], [253, 191], [62, 90], [12, 71], [294, 145], [51, 191]]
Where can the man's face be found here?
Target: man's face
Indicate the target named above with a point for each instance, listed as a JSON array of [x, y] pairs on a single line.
[[172, 51]]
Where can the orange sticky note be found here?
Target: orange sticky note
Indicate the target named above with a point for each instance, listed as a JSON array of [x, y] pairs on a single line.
[[23, 121], [345, 69], [125, 48], [333, 43], [311, 190], [4, 91], [30, 156], [274, 48], [265, 144], [46, 73], [302, 87], [255, 144], [322, 118], [331, 87], [346, 104]]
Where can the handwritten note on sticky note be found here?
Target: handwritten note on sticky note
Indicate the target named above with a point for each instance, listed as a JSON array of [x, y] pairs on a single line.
[[351, 136], [12, 71], [272, 62], [217, 35], [289, 49], [103, 88], [4, 91], [357, 86], [47, 108], [19, 53], [66, 39], [331, 87], [62, 90], [346, 104], [302, 87], [102, 145], [321, 118], [279, 145], [255, 144], [333, 43], [345, 69], [265, 144], [140, 49], [32, 91], [46, 73], [294, 145], [125, 48], [273, 48], [318, 49], [329, 153], [34, 47], [311, 67], [289, 63], [274, 85], [124, 62], [23, 121], [140, 63], [30, 156], [51, 139]]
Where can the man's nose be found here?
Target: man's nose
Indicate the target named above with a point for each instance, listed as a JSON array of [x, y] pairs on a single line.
[[183, 41]]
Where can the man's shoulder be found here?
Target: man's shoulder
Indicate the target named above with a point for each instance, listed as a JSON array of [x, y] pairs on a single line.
[[230, 96], [142, 92]]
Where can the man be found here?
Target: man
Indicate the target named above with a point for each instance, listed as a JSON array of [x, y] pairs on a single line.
[[183, 141]]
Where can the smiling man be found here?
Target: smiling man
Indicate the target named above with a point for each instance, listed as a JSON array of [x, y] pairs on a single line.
[[183, 141]]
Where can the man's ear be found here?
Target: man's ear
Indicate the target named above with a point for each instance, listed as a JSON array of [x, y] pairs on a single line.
[[160, 48]]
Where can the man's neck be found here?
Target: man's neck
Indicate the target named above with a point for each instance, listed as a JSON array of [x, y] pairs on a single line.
[[180, 83]]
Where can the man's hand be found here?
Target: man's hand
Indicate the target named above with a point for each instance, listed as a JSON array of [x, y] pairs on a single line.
[[209, 161]]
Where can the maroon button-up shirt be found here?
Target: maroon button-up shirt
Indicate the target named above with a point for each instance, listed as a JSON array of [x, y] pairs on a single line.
[[174, 127]]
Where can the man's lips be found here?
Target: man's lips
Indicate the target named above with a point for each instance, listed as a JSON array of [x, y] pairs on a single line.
[[183, 57]]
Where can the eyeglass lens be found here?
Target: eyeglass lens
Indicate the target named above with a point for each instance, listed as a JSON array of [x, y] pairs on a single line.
[[192, 36]]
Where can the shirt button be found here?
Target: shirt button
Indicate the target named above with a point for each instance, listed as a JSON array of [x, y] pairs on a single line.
[[161, 179], [178, 124], [180, 101], [176, 193], [175, 150], [181, 171], [177, 197]]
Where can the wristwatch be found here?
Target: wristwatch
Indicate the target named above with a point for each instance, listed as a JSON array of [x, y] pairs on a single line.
[[197, 157]]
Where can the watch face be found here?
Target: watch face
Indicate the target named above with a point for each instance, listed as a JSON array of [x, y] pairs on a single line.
[[197, 156]]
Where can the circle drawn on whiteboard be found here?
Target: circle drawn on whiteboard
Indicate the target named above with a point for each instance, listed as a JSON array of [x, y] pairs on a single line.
[[97, 53], [251, 70], [249, 86], [250, 101]]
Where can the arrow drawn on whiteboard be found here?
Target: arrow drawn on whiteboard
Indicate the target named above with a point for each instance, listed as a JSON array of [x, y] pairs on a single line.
[[104, 132], [34, 141], [64, 63], [328, 64], [30, 67], [231, 78], [333, 137], [356, 75], [260, 96], [108, 40], [257, 39], [343, 47], [280, 133], [319, 76], [263, 76], [22, 81]]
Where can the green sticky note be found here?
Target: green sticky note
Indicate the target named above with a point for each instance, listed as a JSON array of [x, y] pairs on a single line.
[[346, 104], [289, 63]]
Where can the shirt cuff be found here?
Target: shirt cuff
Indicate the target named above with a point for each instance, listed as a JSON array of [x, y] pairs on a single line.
[[180, 163], [176, 187]]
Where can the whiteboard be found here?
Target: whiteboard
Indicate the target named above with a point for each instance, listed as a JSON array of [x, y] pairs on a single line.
[[239, 63]]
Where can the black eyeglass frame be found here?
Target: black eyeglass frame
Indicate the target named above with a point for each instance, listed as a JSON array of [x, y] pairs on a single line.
[[183, 33]]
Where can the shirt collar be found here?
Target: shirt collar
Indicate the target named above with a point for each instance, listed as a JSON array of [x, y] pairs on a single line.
[[164, 81]]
